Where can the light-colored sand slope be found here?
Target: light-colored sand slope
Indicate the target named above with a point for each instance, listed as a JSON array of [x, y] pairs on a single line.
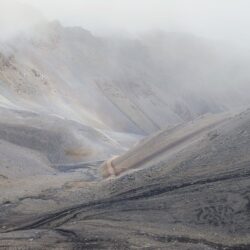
[[193, 198], [162, 144]]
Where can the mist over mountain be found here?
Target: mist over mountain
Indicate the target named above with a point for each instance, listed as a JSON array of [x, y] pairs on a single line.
[[121, 141], [157, 80]]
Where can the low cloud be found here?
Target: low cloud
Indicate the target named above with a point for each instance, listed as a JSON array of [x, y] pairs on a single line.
[[224, 19], [16, 18]]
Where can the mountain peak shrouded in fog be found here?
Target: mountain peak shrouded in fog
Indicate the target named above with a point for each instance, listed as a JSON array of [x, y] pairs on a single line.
[[124, 124], [207, 18], [223, 20], [158, 79]]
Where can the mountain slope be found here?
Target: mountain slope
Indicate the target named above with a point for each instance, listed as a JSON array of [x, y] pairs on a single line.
[[195, 197], [143, 84], [147, 112]]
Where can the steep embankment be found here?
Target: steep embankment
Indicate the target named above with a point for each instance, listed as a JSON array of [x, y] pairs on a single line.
[[162, 144]]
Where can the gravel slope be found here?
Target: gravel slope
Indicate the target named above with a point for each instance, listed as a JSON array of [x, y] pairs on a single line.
[[194, 198]]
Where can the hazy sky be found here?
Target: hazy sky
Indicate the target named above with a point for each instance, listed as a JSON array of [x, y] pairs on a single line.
[[223, 19]]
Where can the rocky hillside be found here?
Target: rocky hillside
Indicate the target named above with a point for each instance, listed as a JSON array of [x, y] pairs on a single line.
[[110, 143], [127, 85], [192, 193]]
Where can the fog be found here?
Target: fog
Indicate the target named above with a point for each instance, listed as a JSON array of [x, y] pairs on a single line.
[[226, 20], [189, 58], [218, 19], [16, 18]]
